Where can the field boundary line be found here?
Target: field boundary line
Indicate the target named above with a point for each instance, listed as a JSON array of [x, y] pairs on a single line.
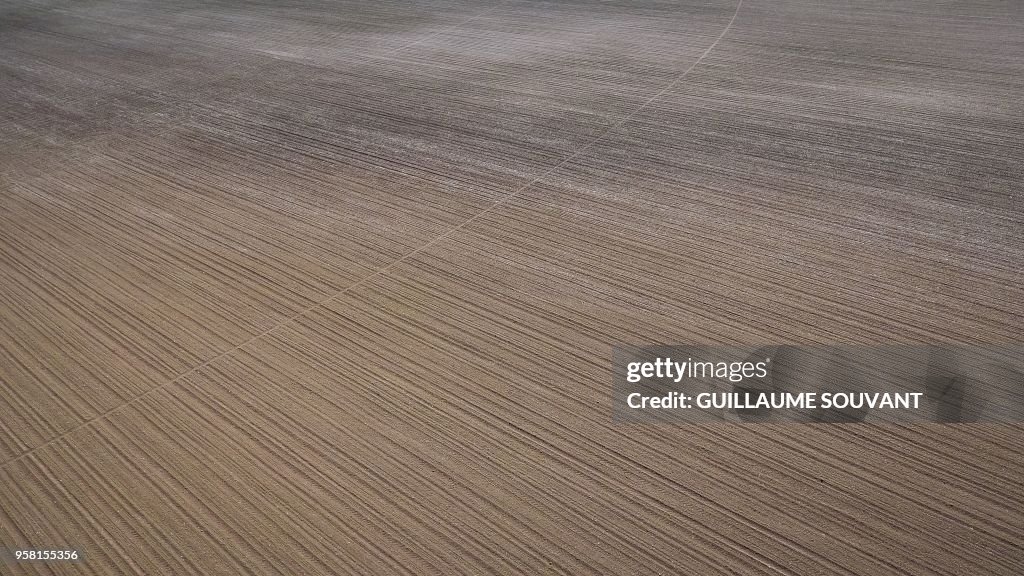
[[384, 269]]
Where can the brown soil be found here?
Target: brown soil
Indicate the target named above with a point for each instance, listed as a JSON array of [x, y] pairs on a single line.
[[331, 287]]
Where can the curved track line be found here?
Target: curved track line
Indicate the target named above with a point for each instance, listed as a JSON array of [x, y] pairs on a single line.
[[384, 269]]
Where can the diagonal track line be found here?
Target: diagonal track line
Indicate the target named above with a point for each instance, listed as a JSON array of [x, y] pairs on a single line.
[[384, 269]]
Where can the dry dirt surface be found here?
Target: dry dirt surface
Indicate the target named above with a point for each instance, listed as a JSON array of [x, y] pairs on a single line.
[[313, 287]]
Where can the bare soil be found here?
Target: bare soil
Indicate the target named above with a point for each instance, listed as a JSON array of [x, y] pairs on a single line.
[[320, 287]]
